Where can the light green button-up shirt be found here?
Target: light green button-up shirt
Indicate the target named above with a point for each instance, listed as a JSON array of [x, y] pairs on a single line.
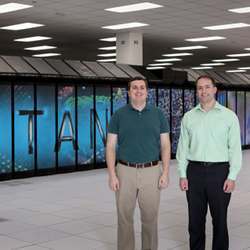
[[212, 136]]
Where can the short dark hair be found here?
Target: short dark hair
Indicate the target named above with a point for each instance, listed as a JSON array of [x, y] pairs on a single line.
[[206, 77], [137, 78]]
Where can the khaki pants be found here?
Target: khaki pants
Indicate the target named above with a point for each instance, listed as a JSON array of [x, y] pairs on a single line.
[[141, 184]]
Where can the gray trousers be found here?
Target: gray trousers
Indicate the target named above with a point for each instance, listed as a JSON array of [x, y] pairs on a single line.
[[142, 185]]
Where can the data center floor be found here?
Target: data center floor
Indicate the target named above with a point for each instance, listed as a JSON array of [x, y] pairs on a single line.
[[77, 211]]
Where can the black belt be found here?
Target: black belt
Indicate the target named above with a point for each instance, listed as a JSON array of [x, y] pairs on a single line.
[[139, 165], [207, 163]]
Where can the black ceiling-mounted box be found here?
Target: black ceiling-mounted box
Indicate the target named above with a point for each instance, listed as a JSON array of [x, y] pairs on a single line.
[[174, 76]]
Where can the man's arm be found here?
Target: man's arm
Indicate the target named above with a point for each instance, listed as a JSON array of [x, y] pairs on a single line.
[[110, 159], [165, 156], [181, 156], [235, 155]]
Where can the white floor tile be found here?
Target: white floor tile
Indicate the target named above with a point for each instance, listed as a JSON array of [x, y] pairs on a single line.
[[75, 227], [241, 231], [105, 234], [106, 219], [176, 233], [33, 247], [73, 243], [8, 227], [8, 243], [75, 213], [39, 235]]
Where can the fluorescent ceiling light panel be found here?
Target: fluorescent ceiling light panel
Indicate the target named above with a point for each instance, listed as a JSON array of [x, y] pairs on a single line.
[[244, 68], [107, 60], [227, 26], [108, 48], [240, 10], [226, 60], [134, 7], [32, 39], [160, 64], [202, 39], [235, 71], [152, 68], [239, 55], [108, 39], [125, 26], [22, 26], [247, 49], [178, 54], [107, 55], [9, 7], [47, 55], [168, 60], [43, 47], [201, 67], [213, 64], [190, 47]]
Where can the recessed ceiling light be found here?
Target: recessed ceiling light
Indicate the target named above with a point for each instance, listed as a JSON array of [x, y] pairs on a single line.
[[201, 67], [32, 39], [108, 39], [153, 68], [241, 10], [43, 47], [9, 7], [227, 26], [190, 47], [226, 60], [160, 64], [235, 71], [107, 60], [47, 55], [107, 55], [202, 39], [247, 49], [239, 55], [134, 7], [108, 48], [168, 60], [125, 26], [178, 54], [213, 64], [22, 26], [244, 68]]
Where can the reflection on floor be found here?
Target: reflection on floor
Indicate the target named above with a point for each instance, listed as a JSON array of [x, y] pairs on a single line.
[[77, 212]]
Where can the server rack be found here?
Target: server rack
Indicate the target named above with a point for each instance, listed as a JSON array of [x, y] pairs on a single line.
[[54, 124]]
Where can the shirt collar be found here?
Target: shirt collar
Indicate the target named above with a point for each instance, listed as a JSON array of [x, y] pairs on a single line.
[[147, 107], [216, 106]]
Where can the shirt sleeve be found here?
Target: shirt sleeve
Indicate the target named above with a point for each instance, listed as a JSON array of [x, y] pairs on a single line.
[[183, 149], [164, 125], [113, 126], [234, 149]]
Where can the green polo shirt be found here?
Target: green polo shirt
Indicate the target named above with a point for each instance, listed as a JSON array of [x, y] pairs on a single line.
[[138, 133], [212, 136]]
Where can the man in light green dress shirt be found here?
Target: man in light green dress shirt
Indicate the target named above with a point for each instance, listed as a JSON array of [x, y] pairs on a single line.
[[209, 158]]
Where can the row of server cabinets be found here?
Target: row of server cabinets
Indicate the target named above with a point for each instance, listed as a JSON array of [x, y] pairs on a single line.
[[61, 125]]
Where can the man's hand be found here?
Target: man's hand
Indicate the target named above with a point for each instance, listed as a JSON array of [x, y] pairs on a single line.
[[114, 183], [163, 181], [183, 184], [229, 186]]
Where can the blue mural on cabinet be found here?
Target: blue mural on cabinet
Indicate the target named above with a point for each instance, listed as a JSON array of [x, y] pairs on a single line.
[[46, 131], [24, 128], [86, 140], [5, 130]]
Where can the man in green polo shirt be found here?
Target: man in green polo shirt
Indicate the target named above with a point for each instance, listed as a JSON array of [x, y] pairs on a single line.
[[209, 158], [141, 133]]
